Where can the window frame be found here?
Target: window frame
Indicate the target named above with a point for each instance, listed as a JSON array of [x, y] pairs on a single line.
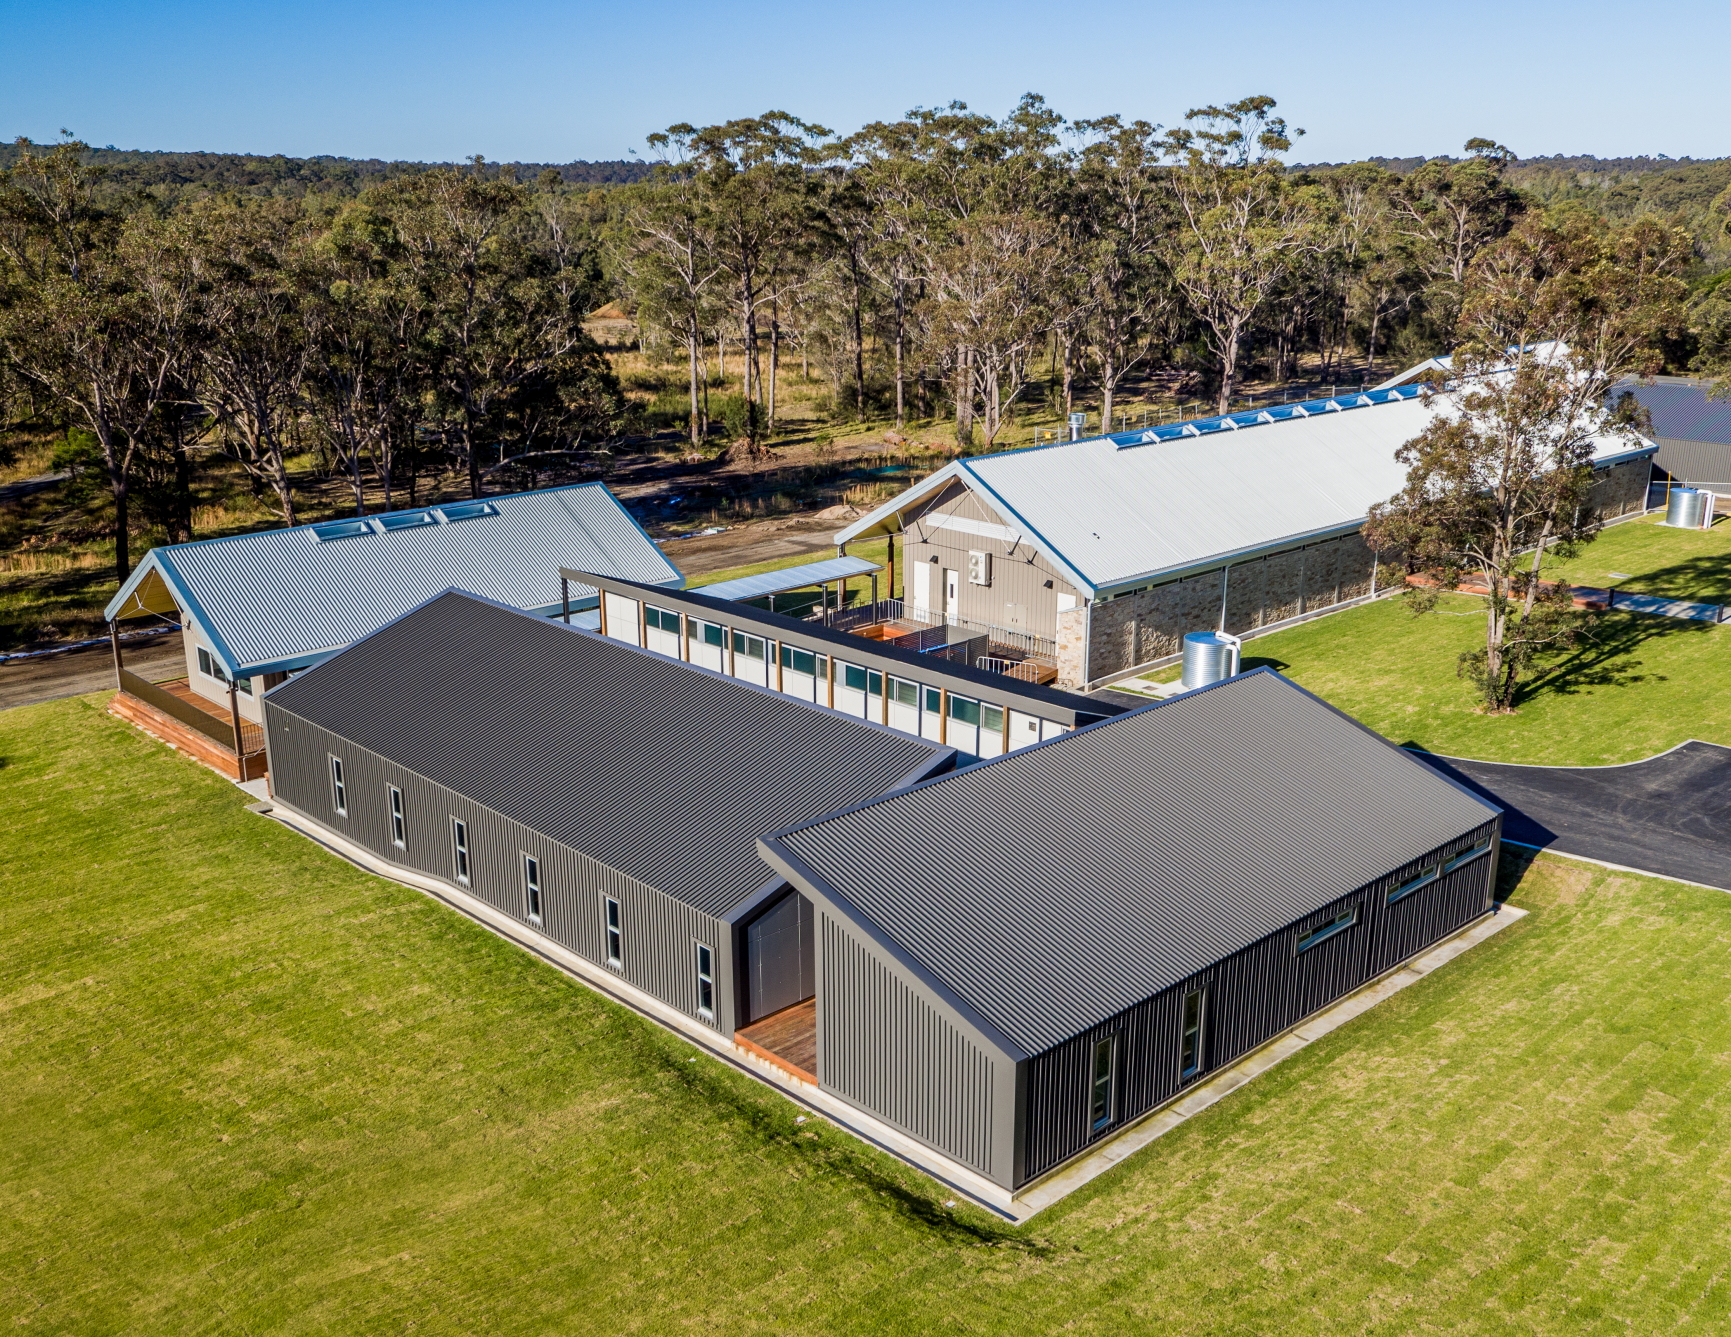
[[1345, 919], [703, 962], [1102, 1114], [531, 888], [1193, 1034], [339, 786], [613, 930], [460, 864], [399, 822], [1465, 857], [1417, 882]]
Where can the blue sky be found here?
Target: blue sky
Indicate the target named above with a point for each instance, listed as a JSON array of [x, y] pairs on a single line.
[[446, 79]]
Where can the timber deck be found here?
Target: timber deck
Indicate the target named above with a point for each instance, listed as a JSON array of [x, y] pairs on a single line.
[[787, 1038]]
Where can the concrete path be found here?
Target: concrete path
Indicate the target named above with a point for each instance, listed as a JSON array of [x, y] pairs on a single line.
[[1669, 814]]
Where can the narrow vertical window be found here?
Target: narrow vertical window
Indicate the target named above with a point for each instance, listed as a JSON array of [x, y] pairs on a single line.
[[339, 790], [615, 937], [705, 983], [1101, 1097], [1190, 1039], [532, 887], [399, 833], [460, 849]]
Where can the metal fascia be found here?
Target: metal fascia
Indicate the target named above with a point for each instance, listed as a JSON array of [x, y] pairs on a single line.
[[1039, 540], [899, 502]]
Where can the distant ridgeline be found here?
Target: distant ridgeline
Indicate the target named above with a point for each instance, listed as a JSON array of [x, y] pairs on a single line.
[[1618, 186], [130, 169]]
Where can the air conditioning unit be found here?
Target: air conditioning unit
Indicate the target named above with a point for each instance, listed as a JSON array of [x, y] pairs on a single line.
[[979, 568]]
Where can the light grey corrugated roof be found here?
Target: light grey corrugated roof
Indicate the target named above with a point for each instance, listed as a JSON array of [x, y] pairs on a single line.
[[1116, 513], [790, 578], [282, 598], [665, 772], [1052, 888]]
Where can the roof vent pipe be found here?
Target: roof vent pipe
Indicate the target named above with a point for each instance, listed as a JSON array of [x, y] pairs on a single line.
[[1209, 657]]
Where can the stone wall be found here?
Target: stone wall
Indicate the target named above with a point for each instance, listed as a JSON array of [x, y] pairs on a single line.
[[1151, 624], [1621, 489]]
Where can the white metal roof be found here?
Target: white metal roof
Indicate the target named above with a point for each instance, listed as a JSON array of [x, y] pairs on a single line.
[[790, 578], [1119, 511], [286, 598]]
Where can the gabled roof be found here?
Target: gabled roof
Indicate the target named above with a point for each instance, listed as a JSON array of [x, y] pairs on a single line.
[[1052, 888], [1117, 512], [665, 772], [1682, 410], [285, 598]]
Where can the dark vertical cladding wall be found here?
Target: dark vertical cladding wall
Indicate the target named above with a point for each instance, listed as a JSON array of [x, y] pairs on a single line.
[[1252, 996], [884, 1046], [659, 933]]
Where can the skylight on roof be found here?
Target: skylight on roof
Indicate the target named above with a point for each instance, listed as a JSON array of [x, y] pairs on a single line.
[[340, 529], [408, 519], [467, 510]]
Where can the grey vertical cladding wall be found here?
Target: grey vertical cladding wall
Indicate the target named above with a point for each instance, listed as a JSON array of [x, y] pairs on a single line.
[[659, 955], [1253, 995], [886, 1049]]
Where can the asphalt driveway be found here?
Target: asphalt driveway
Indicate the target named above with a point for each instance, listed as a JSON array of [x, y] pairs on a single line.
[[1669, 814]]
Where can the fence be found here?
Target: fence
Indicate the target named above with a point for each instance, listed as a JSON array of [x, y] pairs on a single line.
[[219, 731]]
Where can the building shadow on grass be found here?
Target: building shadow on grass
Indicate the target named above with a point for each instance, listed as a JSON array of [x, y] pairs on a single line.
[[1706, 579]]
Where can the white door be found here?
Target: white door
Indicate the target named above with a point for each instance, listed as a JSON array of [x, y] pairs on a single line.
[[922, 586], [952, 595]]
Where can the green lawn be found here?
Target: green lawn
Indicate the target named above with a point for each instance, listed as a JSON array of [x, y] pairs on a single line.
[[1642, 685], [250, 1089]]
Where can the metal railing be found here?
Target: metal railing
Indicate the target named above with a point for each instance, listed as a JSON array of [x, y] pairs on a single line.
[[1026, 643]]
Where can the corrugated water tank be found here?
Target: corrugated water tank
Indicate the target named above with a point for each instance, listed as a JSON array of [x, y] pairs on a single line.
[[1689, 508], [1209, 656]]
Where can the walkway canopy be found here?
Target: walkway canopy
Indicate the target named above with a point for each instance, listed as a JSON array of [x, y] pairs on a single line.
[[766, 583]]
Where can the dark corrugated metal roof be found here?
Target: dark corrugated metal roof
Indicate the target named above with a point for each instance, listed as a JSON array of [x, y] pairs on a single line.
[[662, 771], [1048, 702], [1682, 411], [1052, 888]]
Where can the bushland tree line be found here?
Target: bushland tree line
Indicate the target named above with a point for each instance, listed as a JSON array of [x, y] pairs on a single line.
[[946, 265]]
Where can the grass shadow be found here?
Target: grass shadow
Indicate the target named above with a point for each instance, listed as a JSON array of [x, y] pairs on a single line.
[[1248, 662]]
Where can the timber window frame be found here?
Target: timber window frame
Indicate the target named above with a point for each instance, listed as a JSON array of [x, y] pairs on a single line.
[[1103, 1084], [532, 888], [460, 849], [339, 787], [399, 826], [613, 917], [704, 962]]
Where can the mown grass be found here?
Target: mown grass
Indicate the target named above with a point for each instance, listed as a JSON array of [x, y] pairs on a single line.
[[250, 1089], [1641, 684]]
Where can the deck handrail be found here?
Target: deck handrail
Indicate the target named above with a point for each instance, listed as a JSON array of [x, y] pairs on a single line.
[[219, 731]]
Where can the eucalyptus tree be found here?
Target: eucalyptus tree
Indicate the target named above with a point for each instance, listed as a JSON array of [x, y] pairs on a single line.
[[757, 205], [85, 320], [1502, 476], [1119, 214], [1449, 212], [1242, 225]]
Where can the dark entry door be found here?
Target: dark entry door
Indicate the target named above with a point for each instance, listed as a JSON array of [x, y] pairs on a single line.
[[778, 957]]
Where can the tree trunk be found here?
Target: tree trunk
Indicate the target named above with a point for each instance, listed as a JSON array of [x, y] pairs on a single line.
[[691, 342], [1108, 384], [774, 366], [900, 336], [965, 398], [1228, 368], [1069, 376], [858, 342]]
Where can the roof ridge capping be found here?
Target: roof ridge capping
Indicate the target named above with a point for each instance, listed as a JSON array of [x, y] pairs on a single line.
[[964, 774], [1258, 417]]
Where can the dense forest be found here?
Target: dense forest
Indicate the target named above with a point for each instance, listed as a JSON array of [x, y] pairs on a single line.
[[172, 312]]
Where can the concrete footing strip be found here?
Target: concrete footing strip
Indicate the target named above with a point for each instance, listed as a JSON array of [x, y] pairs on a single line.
[[1018, 1207]]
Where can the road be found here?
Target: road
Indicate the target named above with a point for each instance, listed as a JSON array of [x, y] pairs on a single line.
[[27, 681], [1669, 814]]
